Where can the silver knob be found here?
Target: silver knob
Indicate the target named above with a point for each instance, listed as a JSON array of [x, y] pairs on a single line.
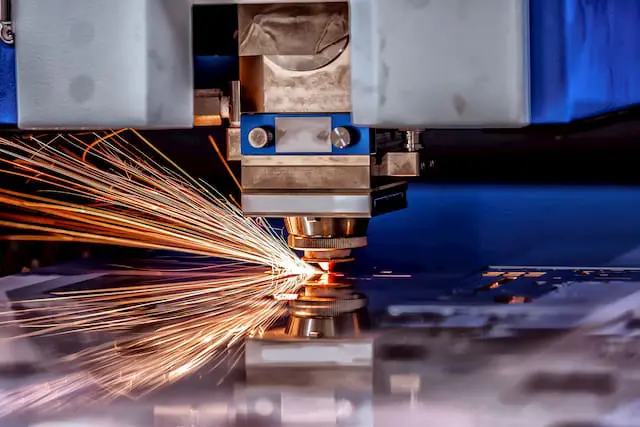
[[341, 137], [259, 137]]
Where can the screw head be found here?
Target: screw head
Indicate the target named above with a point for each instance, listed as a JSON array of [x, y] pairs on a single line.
[[6, 32], [259, 138], [341, 137]]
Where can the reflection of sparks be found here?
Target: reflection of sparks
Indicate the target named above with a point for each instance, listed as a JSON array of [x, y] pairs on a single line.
[[286, 297], [325, 266], [124, 196]]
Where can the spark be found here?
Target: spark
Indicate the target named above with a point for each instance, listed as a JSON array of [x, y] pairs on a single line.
[[110, 190]]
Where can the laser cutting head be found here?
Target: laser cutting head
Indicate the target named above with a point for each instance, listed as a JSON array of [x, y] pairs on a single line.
[[327, 241]]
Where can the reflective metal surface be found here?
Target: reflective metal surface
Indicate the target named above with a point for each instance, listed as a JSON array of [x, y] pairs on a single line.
[[327, 240], [450, 355], [323, 205], [303, 135], [210, 107], [328, 312], [341, 137], [295, 57], [327, 227], [104, 64], [318, 30]]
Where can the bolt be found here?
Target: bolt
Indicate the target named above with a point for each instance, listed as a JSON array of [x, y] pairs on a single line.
[[341, 137], [413, 140], [6, 32], [259, 138]]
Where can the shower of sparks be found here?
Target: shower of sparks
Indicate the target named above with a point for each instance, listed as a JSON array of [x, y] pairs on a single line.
[[110, 190]]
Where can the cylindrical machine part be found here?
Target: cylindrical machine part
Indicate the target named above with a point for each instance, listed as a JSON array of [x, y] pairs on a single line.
[[333, 313], [327, 227], [327, 240], [234, 119]]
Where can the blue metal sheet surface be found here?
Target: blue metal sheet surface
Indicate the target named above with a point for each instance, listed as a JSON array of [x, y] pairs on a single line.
[[251, 121], [585, 58], [8, 101]]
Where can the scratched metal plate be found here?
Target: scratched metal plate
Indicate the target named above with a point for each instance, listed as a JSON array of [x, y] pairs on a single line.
[[303, 134]]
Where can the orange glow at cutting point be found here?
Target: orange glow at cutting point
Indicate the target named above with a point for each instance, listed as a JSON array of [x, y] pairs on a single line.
[[325, 266]]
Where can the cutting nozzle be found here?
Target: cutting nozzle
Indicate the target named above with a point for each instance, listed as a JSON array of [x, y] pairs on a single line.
[[327, 241]]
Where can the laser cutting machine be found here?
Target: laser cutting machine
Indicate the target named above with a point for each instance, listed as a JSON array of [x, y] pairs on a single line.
[[326, 105], [324, 101]]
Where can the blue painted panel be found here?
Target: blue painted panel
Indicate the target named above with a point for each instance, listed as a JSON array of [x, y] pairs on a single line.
[[8, 94], [585, 58], [457, 229], [251, 121]]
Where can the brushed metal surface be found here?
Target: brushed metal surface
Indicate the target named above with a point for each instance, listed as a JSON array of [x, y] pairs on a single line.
[[306, 178], [279, 204], [104, 64], [303, 135], [270, 88], [440, 63], [397, 164]]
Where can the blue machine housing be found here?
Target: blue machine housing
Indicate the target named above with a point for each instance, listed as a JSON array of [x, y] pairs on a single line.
[[584, 61], [8, 94], [362, 146], [584, 58]]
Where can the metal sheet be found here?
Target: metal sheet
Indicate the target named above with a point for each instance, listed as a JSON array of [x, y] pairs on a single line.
[[104, 63]]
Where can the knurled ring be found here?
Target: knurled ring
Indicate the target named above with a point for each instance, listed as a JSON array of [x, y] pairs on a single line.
[[310, 243]]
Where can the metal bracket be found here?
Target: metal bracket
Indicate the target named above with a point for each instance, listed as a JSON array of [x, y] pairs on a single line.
[[7, 34]]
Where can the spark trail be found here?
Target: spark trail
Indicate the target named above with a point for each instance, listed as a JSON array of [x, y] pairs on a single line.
[[110, 190]]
